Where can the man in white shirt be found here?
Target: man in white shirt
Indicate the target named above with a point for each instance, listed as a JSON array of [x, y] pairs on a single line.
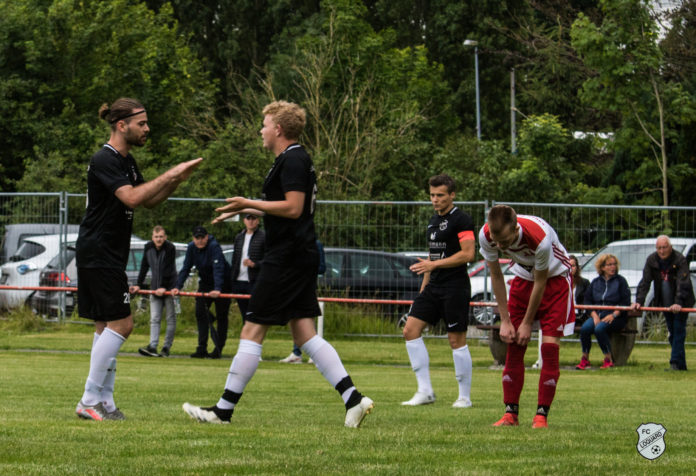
[[541, 290]]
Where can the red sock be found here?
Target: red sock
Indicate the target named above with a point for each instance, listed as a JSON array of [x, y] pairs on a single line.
[[513, 374], [548, 378]]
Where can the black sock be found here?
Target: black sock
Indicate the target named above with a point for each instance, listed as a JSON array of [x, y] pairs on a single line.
[[512, 408], [354, 399], [543, 410]]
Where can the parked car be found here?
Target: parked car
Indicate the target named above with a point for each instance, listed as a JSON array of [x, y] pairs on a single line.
[[25, 266], [15, 234], [48, 302], [482, 290], [632, 255], [364, 274]]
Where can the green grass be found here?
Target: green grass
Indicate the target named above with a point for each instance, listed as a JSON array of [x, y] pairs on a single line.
[[290, 421]]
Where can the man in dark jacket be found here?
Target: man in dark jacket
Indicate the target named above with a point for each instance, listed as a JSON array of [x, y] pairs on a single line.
[[205, 253], [669, 270], [159, 256], [249, 246]]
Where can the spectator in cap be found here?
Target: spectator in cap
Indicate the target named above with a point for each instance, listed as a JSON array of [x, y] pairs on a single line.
[[205, 253]]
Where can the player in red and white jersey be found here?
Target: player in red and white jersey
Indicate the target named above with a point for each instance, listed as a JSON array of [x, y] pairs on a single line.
[[541, 290]]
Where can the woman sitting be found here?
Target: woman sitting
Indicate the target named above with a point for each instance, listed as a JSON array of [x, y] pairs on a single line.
[[608, 289]]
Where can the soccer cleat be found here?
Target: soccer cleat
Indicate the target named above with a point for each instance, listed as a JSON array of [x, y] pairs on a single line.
[[215, 354], [164, 352], [199, 354], [292, 359], [420, 399], [540, 422], [355, 415], [114, 415], [462, 402], [607, 364], [584, 364], [148, 351], [509, 419], [204, 415], [90, 412]]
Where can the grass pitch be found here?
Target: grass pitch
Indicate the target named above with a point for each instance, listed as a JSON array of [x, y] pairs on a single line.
[[290, 421]]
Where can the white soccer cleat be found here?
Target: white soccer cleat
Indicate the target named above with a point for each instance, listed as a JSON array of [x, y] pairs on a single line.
[[292, 359], [203, 415], [420, 399], [90, 412], [355, 415], [462, 402]]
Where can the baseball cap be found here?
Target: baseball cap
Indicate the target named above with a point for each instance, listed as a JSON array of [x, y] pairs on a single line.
[[199, 231]]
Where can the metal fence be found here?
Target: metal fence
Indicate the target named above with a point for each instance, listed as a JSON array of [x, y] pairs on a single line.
[[393, 227]]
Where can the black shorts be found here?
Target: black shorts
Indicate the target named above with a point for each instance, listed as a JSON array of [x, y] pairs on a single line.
[[102, 294], [448, 303], [283, 293]]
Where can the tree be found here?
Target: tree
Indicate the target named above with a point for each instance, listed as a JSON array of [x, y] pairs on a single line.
[[541, 171], [372, 108], [63, 59], [623, 52]]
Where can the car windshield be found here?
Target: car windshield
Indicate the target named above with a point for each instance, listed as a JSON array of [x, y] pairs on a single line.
[[631, 255]]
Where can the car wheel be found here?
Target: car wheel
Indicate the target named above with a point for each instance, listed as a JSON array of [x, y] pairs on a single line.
[[479, 315]]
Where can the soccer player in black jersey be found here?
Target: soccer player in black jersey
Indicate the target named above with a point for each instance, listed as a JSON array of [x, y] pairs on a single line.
[[286, 288], [114, 188], [445, 293]]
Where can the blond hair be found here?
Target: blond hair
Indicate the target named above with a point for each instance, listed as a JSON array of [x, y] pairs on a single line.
[[289, 116]]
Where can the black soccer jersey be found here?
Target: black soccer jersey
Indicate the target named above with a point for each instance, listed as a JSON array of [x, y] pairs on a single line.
[[290, 241], [444, 234], [105, 231]]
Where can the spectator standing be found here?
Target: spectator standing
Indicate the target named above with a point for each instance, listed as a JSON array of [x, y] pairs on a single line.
[[444, 294], [286, 289], [205, 253], [541, 289], [607, 289], [669, 271], [114, 188], [249, 247], [159, 256]]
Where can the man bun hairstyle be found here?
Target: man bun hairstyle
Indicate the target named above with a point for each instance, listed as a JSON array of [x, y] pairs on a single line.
[[443, 179], [500, 217], [289, 116], [120, 109]]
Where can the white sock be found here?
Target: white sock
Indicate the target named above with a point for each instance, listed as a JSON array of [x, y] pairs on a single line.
[[242, 368], [107, 394], [420, 363], [462, 370], [328, 363], [105, 349]]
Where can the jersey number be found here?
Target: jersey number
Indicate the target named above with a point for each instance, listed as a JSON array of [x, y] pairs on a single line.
[[126, 298]]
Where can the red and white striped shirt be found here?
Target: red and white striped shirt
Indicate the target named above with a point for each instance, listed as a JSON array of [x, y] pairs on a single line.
[[537, 247]]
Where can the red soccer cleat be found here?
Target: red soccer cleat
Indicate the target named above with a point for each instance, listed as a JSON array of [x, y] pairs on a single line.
[[509, 419], [540, 422]]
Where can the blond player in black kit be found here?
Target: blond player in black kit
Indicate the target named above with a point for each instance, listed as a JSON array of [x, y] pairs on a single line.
[[114, 188], [445, 293], [286, 288]]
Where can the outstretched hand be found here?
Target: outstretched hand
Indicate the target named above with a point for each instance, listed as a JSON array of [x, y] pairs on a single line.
[[182, 171], [233, 207]]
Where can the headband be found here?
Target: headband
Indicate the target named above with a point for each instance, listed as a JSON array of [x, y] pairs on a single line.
[[114, 121]]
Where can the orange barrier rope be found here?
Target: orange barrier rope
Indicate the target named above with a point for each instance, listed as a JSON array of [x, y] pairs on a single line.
[[405, 302]]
